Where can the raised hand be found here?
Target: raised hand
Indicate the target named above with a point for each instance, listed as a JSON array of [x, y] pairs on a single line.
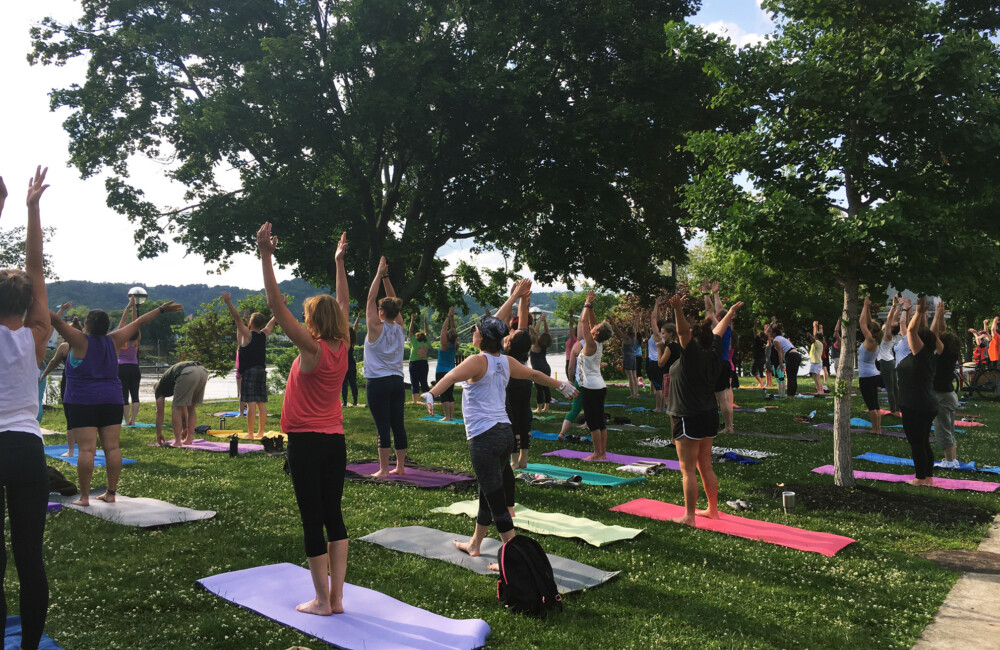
[[383, 266], [170, 305], [677, 302], [525, 289], [704, 286], [266, 243], [590, 297], [227, 298], [451, 311], [907, 304], [341, 247], [735, 308], [36, 186], [922, 304], [715, 286]]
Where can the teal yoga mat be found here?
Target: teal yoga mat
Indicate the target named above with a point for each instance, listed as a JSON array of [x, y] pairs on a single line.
[[440, 420], [589, 478]]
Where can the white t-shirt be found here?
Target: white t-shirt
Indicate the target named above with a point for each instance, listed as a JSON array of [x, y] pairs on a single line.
[[384, 357], [18, 381]]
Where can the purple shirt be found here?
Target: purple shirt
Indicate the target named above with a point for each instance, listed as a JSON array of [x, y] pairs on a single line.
[[129, 353], [95, 379]]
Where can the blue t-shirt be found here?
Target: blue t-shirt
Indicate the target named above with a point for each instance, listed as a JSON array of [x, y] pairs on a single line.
[[727, 338]]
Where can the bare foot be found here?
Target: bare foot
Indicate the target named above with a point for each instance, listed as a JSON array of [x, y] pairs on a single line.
[[315, 606], [688, 521], [82, 501], [471, 547], [399, 471], [922, 482], [599, 457], [493, 566], [560, 437], [176, 443], [711, 514], [106, 498], [380, 474], [590, 457], [68, 454], [336, 604]]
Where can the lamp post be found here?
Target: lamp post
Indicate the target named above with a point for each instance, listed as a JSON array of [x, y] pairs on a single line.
[[139, 294]]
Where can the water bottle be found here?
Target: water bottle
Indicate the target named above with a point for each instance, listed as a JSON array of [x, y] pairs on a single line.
[[234, 446]]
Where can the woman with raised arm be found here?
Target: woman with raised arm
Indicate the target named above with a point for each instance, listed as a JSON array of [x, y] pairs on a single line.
[[885, 356], [576, 406], [420, 349], [627, 337], [570, 342], [351, 378], [652, 357], [518, 346], [93, 400], [869, 378], [592, 384], [384, 371], [540, 343], [128, 363], [815, 342], [723, 389], [61, 356], [446, 362], [668, 351], [253, 365], [487, 427], [917, 401], [692, 405], [314, 423], [24, 331], [949, 355]]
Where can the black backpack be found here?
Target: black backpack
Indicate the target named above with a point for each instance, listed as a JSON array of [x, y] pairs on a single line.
[[526, 584]]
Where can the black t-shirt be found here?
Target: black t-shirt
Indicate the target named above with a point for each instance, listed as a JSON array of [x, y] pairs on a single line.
[[759, 343], [692, 379], [675, 354], [254, 353], [944, 373], [916, 377]]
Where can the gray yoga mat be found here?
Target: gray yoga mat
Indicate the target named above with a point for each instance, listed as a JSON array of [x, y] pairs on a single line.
[[437, 544], [138, 511]]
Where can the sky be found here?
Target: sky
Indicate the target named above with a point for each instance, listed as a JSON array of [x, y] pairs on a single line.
[[93, 242]]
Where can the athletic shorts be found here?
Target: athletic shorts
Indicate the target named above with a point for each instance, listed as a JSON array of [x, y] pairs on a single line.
[[655, 374], [723, 380], [628, 362], [815, 368], [696, 427], [189, 389], [757, 369], [253, 387], [80, 416], [869, 391]]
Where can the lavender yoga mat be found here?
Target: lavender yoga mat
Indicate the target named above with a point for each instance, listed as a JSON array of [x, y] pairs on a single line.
[[943, 483], [371, 620], [415, 476], [205, 445], [620, 459]]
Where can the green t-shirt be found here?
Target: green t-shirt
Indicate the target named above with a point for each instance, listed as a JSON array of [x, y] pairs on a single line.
[[418, 349]]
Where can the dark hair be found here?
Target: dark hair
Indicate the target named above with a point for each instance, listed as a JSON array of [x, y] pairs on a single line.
[[776, 329], [660, 324], [15, 292], [671, 329], [702, 333], [76, 324], [420, 336], [819, 337], [951, 343], [928, 338], [97, 323], [544, 341], [876, 329], [390, 307], [258, 320], [895, 329], [452, 335], [519, 343], [809, 338], [489, 345]]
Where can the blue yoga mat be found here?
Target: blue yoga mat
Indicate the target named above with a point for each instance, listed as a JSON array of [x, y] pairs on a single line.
[[541, 435], [636, 409], [139, 425], [229, 414], [861, 422], [56, 451], [615, 406], [440, 419], [589, 478], [801, 396], [12, 636], [907, 462]]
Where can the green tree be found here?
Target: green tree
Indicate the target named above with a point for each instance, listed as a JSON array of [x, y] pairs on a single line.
[[528, 127], [209, 337], [12, 250], [885, 111]]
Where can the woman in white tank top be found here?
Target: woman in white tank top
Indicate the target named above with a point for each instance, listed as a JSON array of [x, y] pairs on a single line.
[[592, 385], [487, 427]]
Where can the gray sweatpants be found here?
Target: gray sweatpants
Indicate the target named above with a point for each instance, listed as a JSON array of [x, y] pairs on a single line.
[[944, 423], [888, 370], [490, 453]]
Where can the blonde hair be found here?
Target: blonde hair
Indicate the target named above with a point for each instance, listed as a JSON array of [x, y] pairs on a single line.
[[390, 307], [15, 292], [324, 319]]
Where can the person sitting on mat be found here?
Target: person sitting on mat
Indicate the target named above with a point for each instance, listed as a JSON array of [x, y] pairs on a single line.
[[253, 365], [446, 362], [487, 427], [591, 382], [313, 420], [692, 404], [185, 382]]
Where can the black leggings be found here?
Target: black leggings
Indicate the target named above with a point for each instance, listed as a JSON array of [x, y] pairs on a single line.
[[386, 400], [418, 377], [593, 407], [792, 362], [449, 394], [490, 453], [519, 411], [917, 427], [129, 376], [350, 379], [317, 462], [24, 485]]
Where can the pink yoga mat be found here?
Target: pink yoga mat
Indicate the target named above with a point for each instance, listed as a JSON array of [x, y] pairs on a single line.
[[966, 423], [620, 459], [943, 483], [803, 540]]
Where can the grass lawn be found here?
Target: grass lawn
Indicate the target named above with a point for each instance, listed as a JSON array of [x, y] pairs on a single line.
[[119, 587]]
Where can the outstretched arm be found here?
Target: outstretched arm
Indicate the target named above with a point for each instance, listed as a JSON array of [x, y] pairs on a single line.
[[342, 288], [37, 318], [242, 331], [60, 354], [524, 309], [472, 369], [865, 320], [654, 317], [296, 331], [715, 294], [723, 325], [125, 313], [411, 331], [937, 325], [77, 340], [587, 321], [520, 371], [120, 336]]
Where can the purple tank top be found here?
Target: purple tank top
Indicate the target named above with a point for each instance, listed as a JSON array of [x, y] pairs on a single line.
[[129, 353], [95, 380]]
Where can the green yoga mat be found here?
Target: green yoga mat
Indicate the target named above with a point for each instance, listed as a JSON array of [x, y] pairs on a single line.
[[589, 478], [552, 523]]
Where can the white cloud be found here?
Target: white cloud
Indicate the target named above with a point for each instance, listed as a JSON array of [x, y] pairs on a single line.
[[734, 32]]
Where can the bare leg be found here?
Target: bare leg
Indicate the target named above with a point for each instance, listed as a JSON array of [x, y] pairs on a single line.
[[70, 444], [337, 552], [818, 380], [565, 428], [251, 418], [687, 452], [951, 453], [319, 570], [659, 402], [261, 420], [708, 479], [110, 437], [190, 421], [876, 417], [134, 413], [522, 459], [86, 438], [400, 463], [383, 462], [725, 400], [449, 411], [177, 424], [472, 546]]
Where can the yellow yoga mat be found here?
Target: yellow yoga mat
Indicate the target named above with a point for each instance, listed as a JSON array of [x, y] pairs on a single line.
[[243, 435]]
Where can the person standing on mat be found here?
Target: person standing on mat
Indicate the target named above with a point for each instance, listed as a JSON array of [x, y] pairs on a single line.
[[886, 357], [869, 377], [915, 374], [759, 345], [628, 338], [540, 343], [313, 420], [384, 371], [652, 357], [185, 382], [668, 351], [93, 402], [570, 342], [253, 365], [723, 390], [576, 405], [692, 405], [487, 426], [24, 331], [61, 356], [420, 350], [592, 385], [518, 346], [351, 378], [128, 363], [949, 354], [446, 362], [788, 356]]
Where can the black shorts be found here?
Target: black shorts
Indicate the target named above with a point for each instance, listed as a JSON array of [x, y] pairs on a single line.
[[696, 427], [519, 411], [757, 369], [129, 376], [593, 407], [449, 394], [869, 391], [722, 381], [80, 416]]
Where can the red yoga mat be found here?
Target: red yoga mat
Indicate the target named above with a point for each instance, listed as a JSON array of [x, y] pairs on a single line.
[[765, 531], [943, 483]]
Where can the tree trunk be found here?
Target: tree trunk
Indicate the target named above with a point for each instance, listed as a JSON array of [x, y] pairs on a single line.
[[843, 467]]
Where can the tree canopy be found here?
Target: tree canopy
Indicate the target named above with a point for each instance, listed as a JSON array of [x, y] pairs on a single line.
[[548, 130]]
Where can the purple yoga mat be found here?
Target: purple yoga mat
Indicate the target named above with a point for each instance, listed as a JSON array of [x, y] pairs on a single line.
[[890, 434], [943, 483], [371, 620], [205, 445], [53, 507], [620, 459], [420, 477]]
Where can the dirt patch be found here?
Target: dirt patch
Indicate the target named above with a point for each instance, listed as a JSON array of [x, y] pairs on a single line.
[[965, 561], [868, 500]]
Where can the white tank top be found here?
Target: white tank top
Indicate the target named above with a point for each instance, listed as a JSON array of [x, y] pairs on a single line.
[[589, 373], [484, 402], [651, 346], [884, 351], [384, 357], [18, 382]]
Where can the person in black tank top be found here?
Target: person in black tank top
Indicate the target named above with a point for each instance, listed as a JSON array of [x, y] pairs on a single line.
[[253, 360], [540, 342]]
